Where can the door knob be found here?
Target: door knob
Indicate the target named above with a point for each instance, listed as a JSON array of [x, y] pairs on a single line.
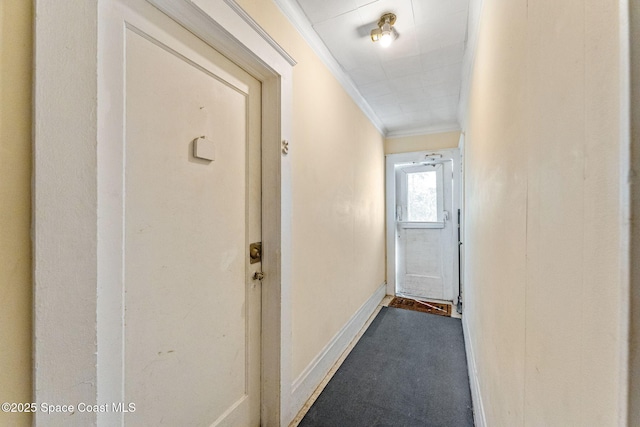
[[255, 252]]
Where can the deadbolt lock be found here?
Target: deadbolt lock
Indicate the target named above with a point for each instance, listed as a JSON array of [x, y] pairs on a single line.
[[255, 252]]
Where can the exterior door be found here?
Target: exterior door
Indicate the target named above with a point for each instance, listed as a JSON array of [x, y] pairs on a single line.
[[424, 245], [191, 304]]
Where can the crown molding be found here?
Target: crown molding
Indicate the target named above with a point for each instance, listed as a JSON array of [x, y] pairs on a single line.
[[296, 16]]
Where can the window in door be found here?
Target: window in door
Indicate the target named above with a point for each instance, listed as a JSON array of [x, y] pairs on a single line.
[[422, 196], [421, 193]]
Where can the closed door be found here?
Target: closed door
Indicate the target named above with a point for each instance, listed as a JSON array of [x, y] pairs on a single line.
[[192, 306], [424, 238]]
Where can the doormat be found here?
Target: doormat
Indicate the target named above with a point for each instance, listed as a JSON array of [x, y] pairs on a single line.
[[438, 308]]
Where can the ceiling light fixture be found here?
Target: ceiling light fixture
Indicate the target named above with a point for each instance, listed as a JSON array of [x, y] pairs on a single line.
[[385, 33]]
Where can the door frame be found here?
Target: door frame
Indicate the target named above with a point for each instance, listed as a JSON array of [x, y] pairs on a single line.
[[76, 256], [393, 160]]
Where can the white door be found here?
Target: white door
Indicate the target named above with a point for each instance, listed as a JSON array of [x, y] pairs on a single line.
[[424, 230], [192, 307]]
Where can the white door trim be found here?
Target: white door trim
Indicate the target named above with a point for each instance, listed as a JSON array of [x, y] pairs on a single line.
[[390, 186], [75, 253]]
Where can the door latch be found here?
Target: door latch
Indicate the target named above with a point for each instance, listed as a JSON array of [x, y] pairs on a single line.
[[258, 275], [255, 252]]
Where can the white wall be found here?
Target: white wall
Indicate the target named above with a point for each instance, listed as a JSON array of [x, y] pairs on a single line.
[[543, 285]]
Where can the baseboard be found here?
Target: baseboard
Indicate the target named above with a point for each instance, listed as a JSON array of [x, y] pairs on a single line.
[[479, 417], [304, 386]]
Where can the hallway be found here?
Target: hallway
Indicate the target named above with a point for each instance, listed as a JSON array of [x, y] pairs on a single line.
[[129, 190]]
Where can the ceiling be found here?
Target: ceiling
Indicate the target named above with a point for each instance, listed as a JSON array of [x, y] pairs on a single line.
[[412, 86]]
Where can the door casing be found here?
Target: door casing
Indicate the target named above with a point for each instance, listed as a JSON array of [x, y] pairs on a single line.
[[78, 222]]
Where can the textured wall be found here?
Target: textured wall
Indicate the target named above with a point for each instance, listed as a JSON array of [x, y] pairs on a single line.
[[15, 206], [544, 291]]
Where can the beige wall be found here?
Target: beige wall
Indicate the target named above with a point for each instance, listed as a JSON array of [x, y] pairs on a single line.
[[433, 141], [338, 196], [634, 342], [543, 287], [15, 206]]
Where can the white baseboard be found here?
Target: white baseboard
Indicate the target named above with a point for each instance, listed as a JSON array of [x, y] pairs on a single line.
[[479, 417], [304, 386]]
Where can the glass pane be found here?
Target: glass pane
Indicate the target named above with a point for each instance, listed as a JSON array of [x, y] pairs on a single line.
[[422, 197]]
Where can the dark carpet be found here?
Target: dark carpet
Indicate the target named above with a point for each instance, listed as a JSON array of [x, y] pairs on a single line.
[[408, 369]]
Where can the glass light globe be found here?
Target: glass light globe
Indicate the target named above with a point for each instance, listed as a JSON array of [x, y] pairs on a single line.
[[386, 39]]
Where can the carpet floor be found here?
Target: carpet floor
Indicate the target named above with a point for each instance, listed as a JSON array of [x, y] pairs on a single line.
[[408, 369]]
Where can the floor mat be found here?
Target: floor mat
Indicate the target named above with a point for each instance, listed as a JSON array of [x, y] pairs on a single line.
[[440, 309]]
